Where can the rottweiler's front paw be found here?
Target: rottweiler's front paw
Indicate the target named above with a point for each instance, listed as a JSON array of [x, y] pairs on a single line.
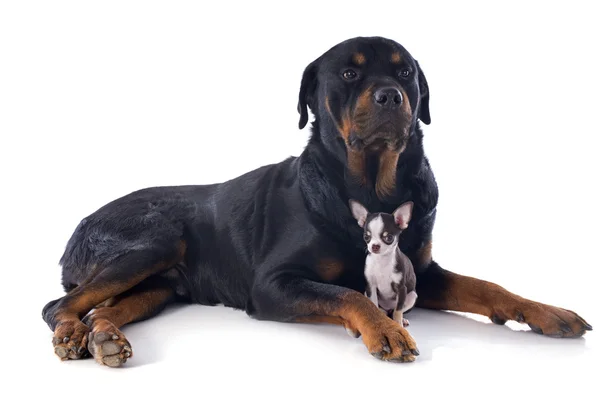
[[546, 320], [555, 322], [389, 341]]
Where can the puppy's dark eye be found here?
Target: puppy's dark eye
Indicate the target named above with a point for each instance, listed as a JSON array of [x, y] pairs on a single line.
[[388, 239], [404, 73], [349, 74], [367, 237]]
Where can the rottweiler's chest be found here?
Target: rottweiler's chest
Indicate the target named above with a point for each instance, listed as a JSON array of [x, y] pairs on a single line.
[[342, 265]]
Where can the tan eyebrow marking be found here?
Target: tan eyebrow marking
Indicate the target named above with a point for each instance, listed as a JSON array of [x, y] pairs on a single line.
[[359, 58], [395, 58]]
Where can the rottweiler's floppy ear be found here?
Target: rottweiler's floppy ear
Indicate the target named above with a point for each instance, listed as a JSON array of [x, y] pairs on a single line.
[[424, 102], [359, 212], [307, 91], [402, 214]]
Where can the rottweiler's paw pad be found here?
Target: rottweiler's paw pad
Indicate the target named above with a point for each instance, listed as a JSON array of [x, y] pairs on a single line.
[[109, 347], [70, 340]]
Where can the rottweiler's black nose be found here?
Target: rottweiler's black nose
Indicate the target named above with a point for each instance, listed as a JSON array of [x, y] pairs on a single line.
[[388, 97]]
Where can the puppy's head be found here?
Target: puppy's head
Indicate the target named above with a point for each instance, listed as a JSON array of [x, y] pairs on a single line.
[[370, 89], [381, 230]]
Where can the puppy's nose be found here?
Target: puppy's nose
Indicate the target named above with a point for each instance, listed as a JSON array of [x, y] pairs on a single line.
[[375, 248], [388, 97]]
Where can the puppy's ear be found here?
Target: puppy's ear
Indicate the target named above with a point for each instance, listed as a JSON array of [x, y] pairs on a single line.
[[308, 87], [359, 212], [402, 214], [424, 100]]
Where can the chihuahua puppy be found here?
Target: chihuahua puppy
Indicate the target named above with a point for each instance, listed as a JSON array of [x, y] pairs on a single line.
[[390, 275]]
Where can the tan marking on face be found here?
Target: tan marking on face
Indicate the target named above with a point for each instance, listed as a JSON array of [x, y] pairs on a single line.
[[356, 159], [345, 127], [359, 58], [363, 112], [406, 104], [395, 58], [363, 102]]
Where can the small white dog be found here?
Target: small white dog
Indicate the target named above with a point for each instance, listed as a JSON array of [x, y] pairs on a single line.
[[390, 275]]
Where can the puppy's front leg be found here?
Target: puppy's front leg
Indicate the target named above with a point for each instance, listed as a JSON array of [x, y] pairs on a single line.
[[399, 311], [371, 293]]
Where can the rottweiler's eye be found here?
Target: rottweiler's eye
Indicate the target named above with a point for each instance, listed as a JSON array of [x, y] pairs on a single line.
[[404, 73], [349, 74]]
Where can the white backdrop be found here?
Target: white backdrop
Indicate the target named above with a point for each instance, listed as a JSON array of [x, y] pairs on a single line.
[[98, 99]]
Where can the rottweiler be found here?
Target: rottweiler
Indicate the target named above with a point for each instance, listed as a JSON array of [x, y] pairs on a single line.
[[280, 241]]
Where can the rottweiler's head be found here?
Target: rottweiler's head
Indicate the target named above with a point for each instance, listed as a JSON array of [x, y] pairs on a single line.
[[368, 91]]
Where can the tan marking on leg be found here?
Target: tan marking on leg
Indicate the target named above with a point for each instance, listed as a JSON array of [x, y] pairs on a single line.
[[70, 332], [85, 297], [132, 307], [108, 344], [383, 337], [466, 294]]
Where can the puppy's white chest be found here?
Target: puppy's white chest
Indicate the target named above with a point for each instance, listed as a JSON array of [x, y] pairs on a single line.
[[380, 274]]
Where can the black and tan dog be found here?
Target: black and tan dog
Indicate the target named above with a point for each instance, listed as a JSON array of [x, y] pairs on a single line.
[[280, 242]]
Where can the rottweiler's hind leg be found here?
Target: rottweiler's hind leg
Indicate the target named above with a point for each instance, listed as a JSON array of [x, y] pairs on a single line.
[[107, 344], [64, 315]]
